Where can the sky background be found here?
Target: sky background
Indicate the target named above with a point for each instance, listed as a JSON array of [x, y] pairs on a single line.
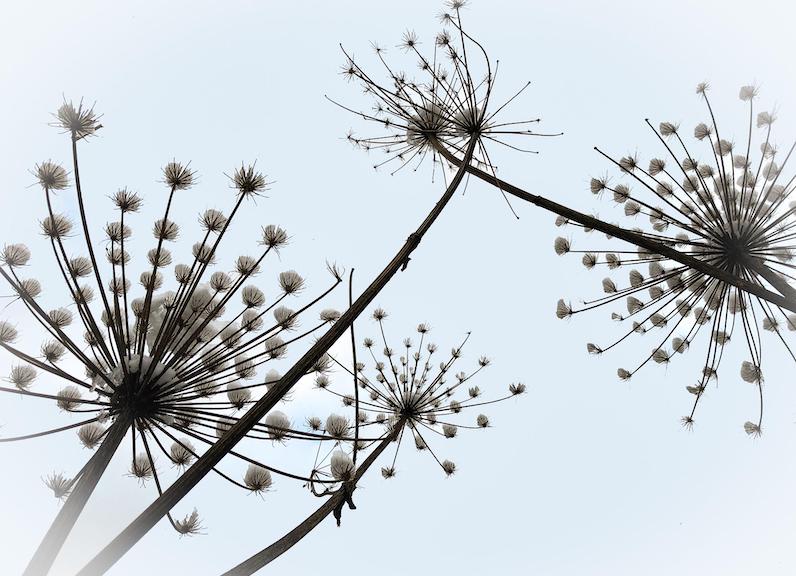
[[584, 474]]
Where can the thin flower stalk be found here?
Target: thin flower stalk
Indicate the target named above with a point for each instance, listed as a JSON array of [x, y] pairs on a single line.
[[732, 210], [432, 116], [182, 485], [163, 367], [408, 396]]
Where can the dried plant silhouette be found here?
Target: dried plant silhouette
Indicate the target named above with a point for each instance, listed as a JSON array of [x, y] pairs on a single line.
[[406, 397], [723, 203], [472, 105], [171, 368], [441, 113], [177, 367]]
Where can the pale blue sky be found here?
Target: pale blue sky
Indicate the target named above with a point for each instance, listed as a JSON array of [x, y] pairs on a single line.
[[584, 475]]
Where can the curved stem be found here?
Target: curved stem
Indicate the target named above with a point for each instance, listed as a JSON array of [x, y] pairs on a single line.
[[155, 511], [786, 301], [286, 542]]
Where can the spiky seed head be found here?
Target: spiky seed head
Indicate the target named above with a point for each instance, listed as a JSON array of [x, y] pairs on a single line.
[[314, 423], [257, 479], [278, 425], [151, 281], [329, 315], [182, 452], [337, 426], [449, 430], [274, 236], [323, 365], [448, 467], [189, 525], [766, 119], [679, 345], [30, 287], [291, 282], [165, 230], [59, 484], [22, 376], [246, 266], [517, 388], [660, 356], [212, 220], [8, 334], [589, 260], [482, 420], [178, 176], [68, 398], [597, 185], [126, 200], [563, 310], [79, 121], [252, 297], [56, 226], [248, 180], [84, 294], [60, 317], [668, 129], [182, 273], [751, 373], [702, 131], [14, 255], [752, 429], [388, 472], [159, 258], [51, 176], [285, 317], [561, 246], [141, 467], [341, 466], [237, 396], [79, 267], [90, 434], [747, 93]]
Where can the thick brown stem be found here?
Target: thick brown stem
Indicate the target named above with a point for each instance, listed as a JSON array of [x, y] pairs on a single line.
[[776, 280], [48, 550], [788, 301], [286, 542], [160, 507]]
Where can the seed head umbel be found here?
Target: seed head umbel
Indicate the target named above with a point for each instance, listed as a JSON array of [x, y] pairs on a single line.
[[723, 200]]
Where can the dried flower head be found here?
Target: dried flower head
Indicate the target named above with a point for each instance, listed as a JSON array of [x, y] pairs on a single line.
[[173, 360], [442, 111], [51, 176], [59, 484], [342, 466], [178, 176], [411, 391], [189, 525], [78, 121], [257, 479], [731, 211], [248, 181]]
